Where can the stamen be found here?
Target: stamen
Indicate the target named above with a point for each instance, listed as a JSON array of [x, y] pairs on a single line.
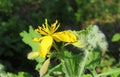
[[44, 31]]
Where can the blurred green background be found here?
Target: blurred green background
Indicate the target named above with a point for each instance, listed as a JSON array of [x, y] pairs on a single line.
[[17, 15]]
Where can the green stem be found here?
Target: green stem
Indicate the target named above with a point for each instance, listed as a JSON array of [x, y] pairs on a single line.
[[55, 46], [59, 53], [94, 72], [83, 63], [67, 68]]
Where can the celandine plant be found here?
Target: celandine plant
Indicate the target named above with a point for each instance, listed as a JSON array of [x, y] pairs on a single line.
[[56, 60]]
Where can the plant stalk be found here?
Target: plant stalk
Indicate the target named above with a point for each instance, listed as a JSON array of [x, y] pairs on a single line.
[[83, 63]]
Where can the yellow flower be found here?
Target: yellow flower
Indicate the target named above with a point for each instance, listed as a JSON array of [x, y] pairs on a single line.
[[49, 35]]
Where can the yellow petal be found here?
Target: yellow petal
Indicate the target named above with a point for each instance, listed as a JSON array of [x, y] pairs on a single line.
[[64, 36], [33, 55], [45, 45], [54, 26]]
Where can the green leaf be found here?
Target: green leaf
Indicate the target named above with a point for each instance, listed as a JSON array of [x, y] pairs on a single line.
[[112, 72], [116, 37], [11, 74], [2, 68], [55, 71], [24, 74], [40, 62], [94, 59], [87, 75], [117, 74], [20, 74], [68, 54], [67, 68], [28, 37], [33, 33], [70, 64]]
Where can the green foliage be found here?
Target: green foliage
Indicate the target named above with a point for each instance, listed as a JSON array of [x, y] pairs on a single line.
[[112, 72], [40, 62], [74, 65], [20, 74], [6, 6], [28, 37], [88, 75], [3, 73], [96, 9], [17, 15], [90, 35], [70, 64], [116, 37], [94, 60]]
